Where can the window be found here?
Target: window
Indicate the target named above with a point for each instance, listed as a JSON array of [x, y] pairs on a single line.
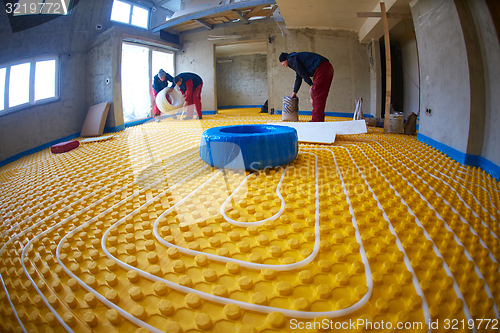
[[45, 79], [19, 84], [29, 82], [3, 73], [128, 13], [162, 60]]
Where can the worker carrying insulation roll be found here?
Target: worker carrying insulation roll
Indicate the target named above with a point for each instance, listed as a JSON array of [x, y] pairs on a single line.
[[307, 65], [160, 82], [190, 84]]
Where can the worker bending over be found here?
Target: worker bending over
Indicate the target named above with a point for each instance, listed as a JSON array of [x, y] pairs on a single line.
[[190, 85], [160, 82], [307, 65]]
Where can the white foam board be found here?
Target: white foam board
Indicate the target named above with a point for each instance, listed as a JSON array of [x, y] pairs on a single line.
[[325, 132], [95, 120], [101, 138]]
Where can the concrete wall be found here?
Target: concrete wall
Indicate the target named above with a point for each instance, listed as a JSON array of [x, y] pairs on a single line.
[[490, 50], [348, 57], [81, 74], [458, 50], [444, 73], [243, 81], [100, 81], [66, 36], [198, 56]]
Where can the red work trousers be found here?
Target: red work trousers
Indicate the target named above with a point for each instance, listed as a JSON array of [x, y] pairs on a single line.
[[157, 111], [322, 80], [193, 99]]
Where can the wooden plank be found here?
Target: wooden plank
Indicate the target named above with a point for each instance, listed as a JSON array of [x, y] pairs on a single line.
[[232, 16], [262, 12], [254, 11], [220, 19], [388, 82], [219, 14], [389, 15], [187, 26]]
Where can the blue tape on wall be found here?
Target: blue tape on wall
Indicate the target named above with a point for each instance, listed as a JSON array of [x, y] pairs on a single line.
[[463, 158], [114, 129], [37, 149], [328, 114], [237, 107]]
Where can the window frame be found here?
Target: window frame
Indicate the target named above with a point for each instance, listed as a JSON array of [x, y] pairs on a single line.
[[31, 103], [132, 5]]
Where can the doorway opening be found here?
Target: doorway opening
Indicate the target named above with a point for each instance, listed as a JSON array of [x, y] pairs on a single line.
[[241, 74], [405, 76], [139, 66]]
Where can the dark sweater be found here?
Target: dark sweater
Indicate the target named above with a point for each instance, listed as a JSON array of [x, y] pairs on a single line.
[[304, 64], [196, 81], [159, 85]]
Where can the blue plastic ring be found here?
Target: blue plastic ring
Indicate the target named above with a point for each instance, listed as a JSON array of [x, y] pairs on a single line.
[[255, 147]]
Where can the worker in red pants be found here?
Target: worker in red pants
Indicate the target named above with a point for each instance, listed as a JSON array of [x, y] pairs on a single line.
[[160, 82], [307, 65], [190, 85]]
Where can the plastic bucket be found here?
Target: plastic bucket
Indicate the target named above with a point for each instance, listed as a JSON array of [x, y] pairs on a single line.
[[396, 123], [290, 109]]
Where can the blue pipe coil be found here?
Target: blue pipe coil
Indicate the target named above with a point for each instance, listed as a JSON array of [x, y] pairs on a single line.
[[250, 147]]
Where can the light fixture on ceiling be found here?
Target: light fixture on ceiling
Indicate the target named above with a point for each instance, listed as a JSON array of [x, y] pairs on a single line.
[[224, 61]]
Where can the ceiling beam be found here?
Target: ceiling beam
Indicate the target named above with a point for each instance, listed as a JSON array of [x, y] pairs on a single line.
[[241, 16], [400, 16], [271, 11], [373, 28], [204, 23], [255, 10]]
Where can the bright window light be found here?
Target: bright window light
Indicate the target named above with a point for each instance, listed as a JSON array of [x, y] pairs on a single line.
[[120, 12], [3, 72], [19, 84], [140, 17], [45, 79], [162, 60], [136, 99]]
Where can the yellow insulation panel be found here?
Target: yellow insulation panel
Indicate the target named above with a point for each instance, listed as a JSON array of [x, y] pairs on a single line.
[[137, 234]]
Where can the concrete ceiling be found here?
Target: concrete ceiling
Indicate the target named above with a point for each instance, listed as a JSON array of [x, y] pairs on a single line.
[[324, 14], [340, 14]]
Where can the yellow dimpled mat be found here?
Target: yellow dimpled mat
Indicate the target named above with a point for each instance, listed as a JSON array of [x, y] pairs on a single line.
[[137, 234]]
